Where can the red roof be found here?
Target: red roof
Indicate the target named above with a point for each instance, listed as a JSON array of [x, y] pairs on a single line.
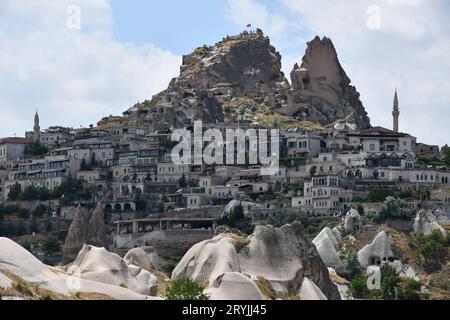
[[16, 140]]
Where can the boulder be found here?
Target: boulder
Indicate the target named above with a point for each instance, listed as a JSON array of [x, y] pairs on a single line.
[[208, 260], [328, 247], [97, 264], [21, 263], [425, 222], [352, 221], [234, 286], [283, 256], [378, 252], [140, 258], [310, 291]]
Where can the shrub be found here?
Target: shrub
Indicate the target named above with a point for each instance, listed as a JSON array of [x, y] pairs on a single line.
[[35, 149], [360, 209], [14, 192], [379, 195], [358, 287], [24, 214], [410, 290], [389, 282], [39, 211], [185, 289], [51, 246], [394, 209], [432, 246], [349, 266]]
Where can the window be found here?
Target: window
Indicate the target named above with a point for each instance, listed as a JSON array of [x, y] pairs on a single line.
[[372, 147]]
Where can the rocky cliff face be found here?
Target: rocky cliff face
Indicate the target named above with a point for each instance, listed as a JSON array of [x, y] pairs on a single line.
[[240, 79], [283, 257], [83, 231], [321, 90], [211, 76]]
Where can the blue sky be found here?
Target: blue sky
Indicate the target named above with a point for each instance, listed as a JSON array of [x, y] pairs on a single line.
[[127, 51]]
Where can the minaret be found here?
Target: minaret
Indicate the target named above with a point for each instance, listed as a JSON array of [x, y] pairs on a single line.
[[396, 112], [37, 129]]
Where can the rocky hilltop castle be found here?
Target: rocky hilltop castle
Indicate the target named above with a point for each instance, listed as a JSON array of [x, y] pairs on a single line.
[[240, 78]]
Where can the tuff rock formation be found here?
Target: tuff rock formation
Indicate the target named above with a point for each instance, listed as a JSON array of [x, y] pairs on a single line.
[[321, 90], [234, 286], [378, 252], [97, 264], [97, 229], [328, 247], [140, 258], [425, 222], [22, 264], [283, 256], [352, 221], [240, 79], [77, 235], [83, 231]]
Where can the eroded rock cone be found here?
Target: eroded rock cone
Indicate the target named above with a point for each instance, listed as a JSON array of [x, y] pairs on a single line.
[[97, 233], [76, 237], [321, 90]]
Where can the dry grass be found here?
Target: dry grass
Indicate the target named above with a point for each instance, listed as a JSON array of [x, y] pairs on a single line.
[[240, 242], [266, 288], [30, 291]]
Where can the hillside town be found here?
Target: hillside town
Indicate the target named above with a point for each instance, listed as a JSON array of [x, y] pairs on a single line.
[[357, 192]]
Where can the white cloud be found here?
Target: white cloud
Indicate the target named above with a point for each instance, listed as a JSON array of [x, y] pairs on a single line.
[[73, 77]]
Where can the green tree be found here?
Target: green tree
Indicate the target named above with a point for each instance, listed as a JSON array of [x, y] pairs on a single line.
[[379, 195], [349, 266], [394, 209], [51, 246], [360, 209], [185, 289], [182, 182], [358, 287], [23, 213], [410, 290], [15, 192], [35, 149], [39, 211], [389, 282], [433, 247], [34, 228], [20, 229], [30, 193], [84, 166], [238, 212]]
